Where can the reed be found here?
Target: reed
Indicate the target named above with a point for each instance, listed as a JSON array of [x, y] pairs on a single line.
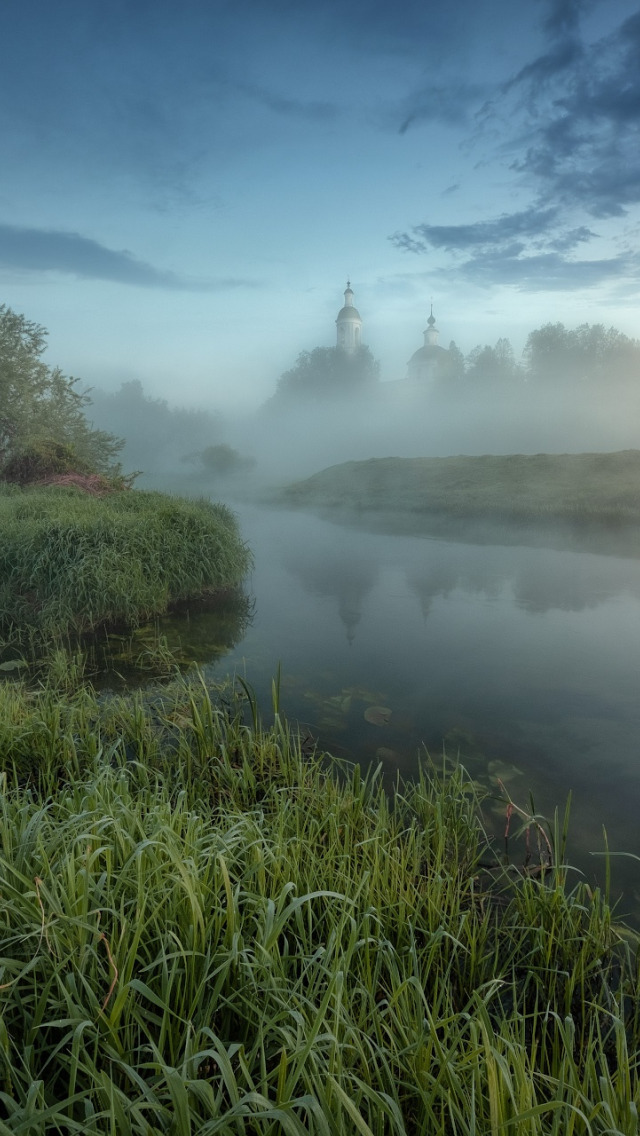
[[70, 562], [207, 929]]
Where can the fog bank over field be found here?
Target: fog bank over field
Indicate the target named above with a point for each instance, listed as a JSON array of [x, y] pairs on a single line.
[[296, 442], [574, 391]]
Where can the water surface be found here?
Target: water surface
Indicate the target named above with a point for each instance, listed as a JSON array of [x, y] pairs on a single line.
[[524, 659]]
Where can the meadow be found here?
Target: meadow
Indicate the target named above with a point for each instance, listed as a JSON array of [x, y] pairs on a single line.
[[573, 487], [209, 927]]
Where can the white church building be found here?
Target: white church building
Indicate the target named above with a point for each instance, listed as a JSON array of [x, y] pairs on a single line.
[[428, 363]]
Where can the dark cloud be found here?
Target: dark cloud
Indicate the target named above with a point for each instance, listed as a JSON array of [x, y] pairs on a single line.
[[550, 271], [50, 250], [559, 60], [569, 124], [315, 111], [584, 132], [563, 16], [499, 231], [450, 104]]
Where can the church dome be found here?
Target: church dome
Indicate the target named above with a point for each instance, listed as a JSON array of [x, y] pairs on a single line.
[[348, 312], [428, 352]]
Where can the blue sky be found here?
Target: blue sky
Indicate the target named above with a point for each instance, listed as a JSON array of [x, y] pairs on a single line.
[[185, 187]]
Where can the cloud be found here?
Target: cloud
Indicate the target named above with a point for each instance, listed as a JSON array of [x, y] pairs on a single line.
[[51, 250], [313, 110], [568, 124], [558, 61], [450, 104], [497, 232], [563, 16], [584, 131], [545, 272]]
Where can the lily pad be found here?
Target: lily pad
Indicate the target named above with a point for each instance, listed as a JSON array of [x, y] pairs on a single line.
[[502, 771], [377, 715], [361, 693], [383, 753]]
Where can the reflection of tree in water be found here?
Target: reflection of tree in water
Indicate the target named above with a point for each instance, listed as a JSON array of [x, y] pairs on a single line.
[[569, 585], [339, 574], [541, 579], [443, 568]]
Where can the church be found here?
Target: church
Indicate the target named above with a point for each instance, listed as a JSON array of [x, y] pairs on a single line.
[[429, 363]]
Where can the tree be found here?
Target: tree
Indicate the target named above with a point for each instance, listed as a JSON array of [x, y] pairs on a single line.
[[456, 362], [156, 435], [492, 363], [590, 351], [327, 373], [221, 460], [39, 406]]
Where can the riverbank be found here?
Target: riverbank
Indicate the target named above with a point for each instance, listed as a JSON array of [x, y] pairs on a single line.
[[522, 487], [71, 562], [209, 928]]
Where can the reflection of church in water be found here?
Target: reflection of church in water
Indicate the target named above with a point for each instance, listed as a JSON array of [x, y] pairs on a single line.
[[429, 362]]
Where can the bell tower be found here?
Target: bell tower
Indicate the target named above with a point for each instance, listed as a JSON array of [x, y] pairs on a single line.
[[348, 324]]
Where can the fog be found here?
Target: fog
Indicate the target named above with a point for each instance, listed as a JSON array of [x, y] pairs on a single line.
[[277, 443]]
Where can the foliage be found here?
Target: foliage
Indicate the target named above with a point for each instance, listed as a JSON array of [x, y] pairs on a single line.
[[492, 364], [157, 436], [222, 460], [39, 406], [206, 930], [456, 367], [327, 373], [41, 459], [70, 562], [589, 352]]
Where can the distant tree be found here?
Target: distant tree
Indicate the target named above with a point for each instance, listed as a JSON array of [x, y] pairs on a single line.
[[156, 435], [39, 406], [222, 460], [327, 373], [492, 363], [588, 352], [456, 364]]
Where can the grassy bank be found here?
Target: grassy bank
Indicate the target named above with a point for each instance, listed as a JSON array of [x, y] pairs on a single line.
[[594, 487], [70, 562], [207, 930]]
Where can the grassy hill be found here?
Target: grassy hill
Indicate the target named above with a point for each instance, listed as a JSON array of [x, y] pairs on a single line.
[[518, 486]]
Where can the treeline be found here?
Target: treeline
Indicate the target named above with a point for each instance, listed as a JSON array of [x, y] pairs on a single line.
[[326, 372], [156, 435], [553, 353], [50, 427]]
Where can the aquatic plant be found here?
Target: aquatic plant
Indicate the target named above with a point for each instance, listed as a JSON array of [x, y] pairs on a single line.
[[207, 929]]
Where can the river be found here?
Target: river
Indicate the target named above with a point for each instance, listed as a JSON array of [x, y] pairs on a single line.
[[521, 659]]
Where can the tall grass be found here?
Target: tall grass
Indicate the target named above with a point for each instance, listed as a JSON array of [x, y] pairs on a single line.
[[207, 930], [70, 562]]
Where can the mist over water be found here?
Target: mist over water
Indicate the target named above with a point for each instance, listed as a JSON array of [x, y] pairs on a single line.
[[515, 648], [520, 659]]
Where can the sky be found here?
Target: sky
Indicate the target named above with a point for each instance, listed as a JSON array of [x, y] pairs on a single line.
[[186, 187]]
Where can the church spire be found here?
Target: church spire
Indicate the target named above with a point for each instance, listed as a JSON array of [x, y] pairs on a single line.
[[431, 332]]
